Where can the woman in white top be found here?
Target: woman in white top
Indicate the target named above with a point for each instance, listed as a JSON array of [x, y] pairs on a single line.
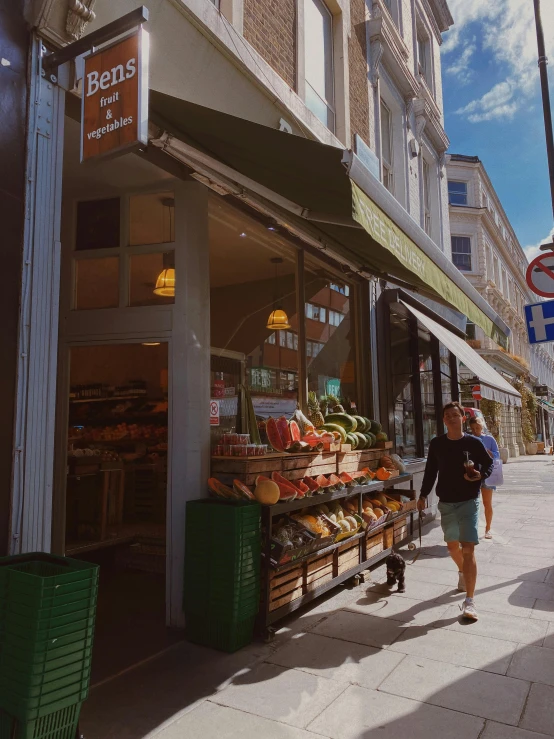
[[477, 426]]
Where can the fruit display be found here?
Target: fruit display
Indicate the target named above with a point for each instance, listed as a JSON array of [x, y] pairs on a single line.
[[267, 492], [344, 514], [397, 463], [119, 432]]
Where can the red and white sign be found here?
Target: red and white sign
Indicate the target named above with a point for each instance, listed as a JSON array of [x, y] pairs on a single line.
[[540, 275], [214, 412], [476, 392]]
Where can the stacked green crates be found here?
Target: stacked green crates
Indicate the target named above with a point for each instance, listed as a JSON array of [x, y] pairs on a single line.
[[47, 614], [222, 572]]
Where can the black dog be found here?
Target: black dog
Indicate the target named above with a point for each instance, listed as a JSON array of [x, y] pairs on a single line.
[[396, 569]]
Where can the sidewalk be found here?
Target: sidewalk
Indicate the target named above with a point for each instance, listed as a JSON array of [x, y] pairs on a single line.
[[367, 663]]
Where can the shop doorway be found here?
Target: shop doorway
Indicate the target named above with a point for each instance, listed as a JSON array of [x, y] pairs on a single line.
[[116, 493]]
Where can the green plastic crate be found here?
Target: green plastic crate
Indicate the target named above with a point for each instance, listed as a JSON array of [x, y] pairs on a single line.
[[30, 709], [49, 648], [58, 725], [40, 573], [227, 635]]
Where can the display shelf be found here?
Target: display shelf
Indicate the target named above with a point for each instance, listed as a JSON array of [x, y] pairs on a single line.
[[117, 398], [333, 553], [158, 418]]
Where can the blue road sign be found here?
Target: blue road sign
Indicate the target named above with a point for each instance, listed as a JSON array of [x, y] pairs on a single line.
[[540, 322]]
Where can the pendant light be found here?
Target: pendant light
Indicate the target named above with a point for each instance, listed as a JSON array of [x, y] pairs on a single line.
[[278, 319], [165, 284]]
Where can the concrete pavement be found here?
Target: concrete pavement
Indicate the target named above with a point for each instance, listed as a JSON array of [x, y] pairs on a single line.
[[367, 663]]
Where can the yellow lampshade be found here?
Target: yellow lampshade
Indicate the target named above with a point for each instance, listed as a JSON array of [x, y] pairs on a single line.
[[278, 320], [165, 284]]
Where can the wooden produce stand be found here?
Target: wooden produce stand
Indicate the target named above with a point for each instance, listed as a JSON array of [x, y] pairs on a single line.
[[292, 585]]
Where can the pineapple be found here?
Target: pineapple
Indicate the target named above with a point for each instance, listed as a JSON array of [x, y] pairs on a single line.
[[314, 411], [334, 402]]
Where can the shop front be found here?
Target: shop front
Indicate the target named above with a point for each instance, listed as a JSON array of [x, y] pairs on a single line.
[[227, 264]]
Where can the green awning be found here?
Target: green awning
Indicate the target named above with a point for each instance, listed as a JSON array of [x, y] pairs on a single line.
[[311, 180]]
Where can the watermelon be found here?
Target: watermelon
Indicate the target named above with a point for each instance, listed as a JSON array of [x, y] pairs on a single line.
[[347, 479], [375, 427], [362, 440], [219, 490], [243, 491], [336, 482], [273, 435], [312, 485], [352, 440], [370, 439], [283, 482], [381, 436], [361, 423], [335, 428], [294, 429], [323, 483], [284, 431]]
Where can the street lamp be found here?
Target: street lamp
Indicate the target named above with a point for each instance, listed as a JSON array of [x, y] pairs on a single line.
[[543, 61]]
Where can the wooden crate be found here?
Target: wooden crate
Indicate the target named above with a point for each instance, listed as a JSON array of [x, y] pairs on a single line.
[[384, 445], [285, 586], [246, 469], [400, 529], [354, 461], [374, 545], [348, 556], [319, 570], [297, 466], [388, 537]]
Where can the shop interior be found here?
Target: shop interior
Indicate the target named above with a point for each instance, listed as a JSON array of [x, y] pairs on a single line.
[[118, 231]]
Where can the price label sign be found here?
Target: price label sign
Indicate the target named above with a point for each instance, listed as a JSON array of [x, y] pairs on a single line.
[[214, 412]]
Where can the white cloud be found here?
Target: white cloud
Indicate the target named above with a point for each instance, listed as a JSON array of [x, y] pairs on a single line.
[[506, 30], [533, 250], [461, 69]]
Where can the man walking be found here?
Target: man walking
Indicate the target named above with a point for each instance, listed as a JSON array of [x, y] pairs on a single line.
[[461, 463]]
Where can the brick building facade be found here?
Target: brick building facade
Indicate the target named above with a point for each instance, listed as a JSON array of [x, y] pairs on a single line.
[[271, 27]]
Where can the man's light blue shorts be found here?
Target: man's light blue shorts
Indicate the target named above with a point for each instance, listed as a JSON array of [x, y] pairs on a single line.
[[460, 521]]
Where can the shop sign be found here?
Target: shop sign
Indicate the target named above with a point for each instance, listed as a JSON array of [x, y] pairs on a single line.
[[381, 228], [214, 412], [540, 275], [541, 391], [114, 114]]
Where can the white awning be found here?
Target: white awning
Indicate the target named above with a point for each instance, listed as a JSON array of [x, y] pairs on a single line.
[[548, 407], [493, 385]]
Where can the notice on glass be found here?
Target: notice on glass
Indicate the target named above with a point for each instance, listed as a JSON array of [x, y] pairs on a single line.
[[266, 406]]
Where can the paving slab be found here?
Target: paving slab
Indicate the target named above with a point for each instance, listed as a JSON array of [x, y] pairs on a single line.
[[465, 649], [535, 664], [361, 628], [549, 638], [404, 610], [460, 688], [518, 557], [496, 602], [290, 696], [517, 572], [338, 660], [543, 591], [371, 714], [211, 720], [415, 589], [501, 731], [543, 609], [497, 625], [539, 711]]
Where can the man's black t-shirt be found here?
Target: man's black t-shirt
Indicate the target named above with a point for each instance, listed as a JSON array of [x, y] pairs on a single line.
[[446, 459]]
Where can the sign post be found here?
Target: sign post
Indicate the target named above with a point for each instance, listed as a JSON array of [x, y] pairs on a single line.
[[540, 322], [114, 116], [540, 275]]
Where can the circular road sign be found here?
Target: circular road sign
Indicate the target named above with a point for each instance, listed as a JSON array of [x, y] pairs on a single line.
[[476, 392], [540, 275]]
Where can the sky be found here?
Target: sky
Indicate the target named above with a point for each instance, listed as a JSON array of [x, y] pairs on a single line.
[[493, 106]]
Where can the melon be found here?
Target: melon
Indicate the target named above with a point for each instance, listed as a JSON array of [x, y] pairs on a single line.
[[312, 485], [282, 481], [266, 491], [345, 526], [336, 482], [362, 439], [273, 435], [243, 491], [335, 428], [381, 436], [323, 482], [398, 463], [378, 512], [370, 439], [284, 431], [352, 522], [375, 427], [382, 474], [347, 479], [219, 490], [294, 429]]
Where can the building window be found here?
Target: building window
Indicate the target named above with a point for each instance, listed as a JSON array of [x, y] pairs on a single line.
[[461, 253], [386, 147], [335, 318], [470, 331], [457, 192], [270, 339], [316, 312], [342, 289], [318, 61], [426, 181], [423, 57]]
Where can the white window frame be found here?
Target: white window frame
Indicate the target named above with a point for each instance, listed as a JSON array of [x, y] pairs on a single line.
[[387, 167], [471, 255], [302, 81], [459, 182], [426, 196]]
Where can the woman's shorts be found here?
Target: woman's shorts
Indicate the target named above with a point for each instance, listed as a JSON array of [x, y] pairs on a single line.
[[488, 487], [460, 521]]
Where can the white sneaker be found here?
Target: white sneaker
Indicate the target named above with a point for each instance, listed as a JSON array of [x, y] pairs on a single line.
[[461, 582], [468, 609], [488, 534]]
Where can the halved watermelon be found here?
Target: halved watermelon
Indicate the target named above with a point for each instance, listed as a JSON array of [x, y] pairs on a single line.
[[284, 431], [294, 430], [312, 485], [303, 487], [336, 482], [368, 473], [283, 482], [286, 493], [219, 490], [323, 483], [241, 489], [347, 479], [273, 435], [260, 478]]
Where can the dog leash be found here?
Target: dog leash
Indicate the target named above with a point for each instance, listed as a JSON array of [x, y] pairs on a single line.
[[411, 545]]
